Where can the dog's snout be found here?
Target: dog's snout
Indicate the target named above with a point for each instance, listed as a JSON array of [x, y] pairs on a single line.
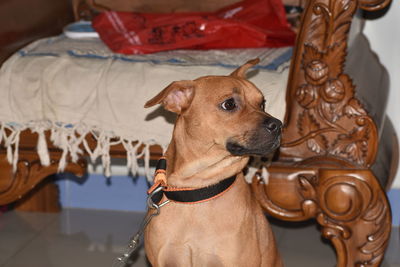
[[272, 125]]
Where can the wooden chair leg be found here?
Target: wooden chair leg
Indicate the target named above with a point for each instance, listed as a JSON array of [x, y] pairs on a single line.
[[349, 204], [30, 173], [43, 198], [355, 215]]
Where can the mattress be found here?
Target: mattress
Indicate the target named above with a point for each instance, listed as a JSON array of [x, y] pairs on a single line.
[[76, 87]]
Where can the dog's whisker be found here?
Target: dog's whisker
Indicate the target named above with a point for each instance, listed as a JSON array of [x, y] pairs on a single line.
[[212, 145]]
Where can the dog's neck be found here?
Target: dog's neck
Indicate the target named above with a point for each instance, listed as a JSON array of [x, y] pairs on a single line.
[[195, 164]]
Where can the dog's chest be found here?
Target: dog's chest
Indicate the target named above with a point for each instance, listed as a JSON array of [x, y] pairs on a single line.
[[199, 234], [214, 233], [201, 223]]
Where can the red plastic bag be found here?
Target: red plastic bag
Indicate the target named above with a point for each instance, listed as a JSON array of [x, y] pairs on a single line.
[[250, 23]]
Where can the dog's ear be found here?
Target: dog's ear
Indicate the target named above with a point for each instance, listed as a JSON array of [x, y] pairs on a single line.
[[241, 71], [176, 97]]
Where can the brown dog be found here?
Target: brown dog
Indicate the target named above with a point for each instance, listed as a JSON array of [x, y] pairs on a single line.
[[221, 123]]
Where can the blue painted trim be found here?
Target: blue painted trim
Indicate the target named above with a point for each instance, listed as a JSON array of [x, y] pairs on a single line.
[[129, 194], [394, 199], [95, 191]]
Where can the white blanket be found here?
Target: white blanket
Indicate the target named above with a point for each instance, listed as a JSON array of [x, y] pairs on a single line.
[[73, 96]]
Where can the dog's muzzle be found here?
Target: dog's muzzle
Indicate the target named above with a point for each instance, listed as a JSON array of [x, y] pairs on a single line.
[[262, 140]]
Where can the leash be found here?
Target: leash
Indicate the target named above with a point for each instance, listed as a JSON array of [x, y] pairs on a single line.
[[134, 241], [159, 179], [172, 194]]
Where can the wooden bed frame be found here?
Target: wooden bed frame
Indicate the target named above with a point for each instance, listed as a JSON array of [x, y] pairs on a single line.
[[339, 150]]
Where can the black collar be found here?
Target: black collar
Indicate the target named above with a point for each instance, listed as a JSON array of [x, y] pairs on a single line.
[[192, 195]]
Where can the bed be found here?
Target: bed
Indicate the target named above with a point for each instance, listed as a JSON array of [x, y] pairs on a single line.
[[339, 151]]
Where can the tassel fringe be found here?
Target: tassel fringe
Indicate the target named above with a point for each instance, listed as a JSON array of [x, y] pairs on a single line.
[[72, 142]]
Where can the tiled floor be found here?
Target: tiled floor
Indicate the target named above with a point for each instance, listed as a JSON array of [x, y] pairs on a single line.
[[78, 237]]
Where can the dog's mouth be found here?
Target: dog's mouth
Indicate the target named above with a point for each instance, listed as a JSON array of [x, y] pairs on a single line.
[[259, 141], [257, 149]]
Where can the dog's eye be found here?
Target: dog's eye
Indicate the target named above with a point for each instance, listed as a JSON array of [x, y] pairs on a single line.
[[229, 104]]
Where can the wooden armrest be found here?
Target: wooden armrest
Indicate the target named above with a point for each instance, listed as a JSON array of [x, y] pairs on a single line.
[[348, 204]]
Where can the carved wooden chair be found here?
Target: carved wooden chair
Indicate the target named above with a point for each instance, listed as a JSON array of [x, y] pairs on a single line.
[[339, 151]]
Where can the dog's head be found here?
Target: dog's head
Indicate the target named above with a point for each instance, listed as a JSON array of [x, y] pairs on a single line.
[[227, 111]]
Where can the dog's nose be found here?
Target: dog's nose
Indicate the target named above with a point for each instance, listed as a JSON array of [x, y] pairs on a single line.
[[272, 125]]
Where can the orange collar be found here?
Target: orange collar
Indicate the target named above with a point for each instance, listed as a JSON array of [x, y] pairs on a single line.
[[184, 195], [190, 195]]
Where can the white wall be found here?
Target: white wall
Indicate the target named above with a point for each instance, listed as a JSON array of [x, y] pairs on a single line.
[[384, 36]]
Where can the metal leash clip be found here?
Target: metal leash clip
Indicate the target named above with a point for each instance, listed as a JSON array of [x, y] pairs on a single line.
[[134, 241], [150, 202]]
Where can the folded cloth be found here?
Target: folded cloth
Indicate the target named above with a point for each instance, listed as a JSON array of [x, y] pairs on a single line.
[[80, 29], [272, 59], [74, 96]]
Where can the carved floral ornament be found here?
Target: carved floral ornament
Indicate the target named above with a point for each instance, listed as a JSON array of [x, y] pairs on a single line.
[[330, 119], [360, 204], [349, 206]]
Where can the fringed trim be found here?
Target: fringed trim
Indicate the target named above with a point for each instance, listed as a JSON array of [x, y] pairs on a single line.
[[11, 143], [71, 139]]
